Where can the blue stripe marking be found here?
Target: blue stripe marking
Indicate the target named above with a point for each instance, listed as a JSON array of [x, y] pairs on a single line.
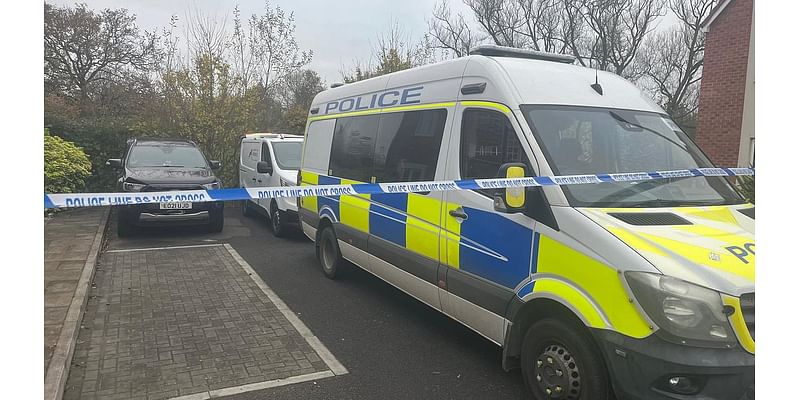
[[228, 194], [367, 188], [526, 290], [48, 203], [729, 172], [654, 175], [544, 180], [468, 184], [696, 172], [387, 223], [331, 202]]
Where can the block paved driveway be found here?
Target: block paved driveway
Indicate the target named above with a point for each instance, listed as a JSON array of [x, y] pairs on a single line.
[[196, 322]]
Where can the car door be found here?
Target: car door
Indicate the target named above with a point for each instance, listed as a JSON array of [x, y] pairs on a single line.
[[263, 179], [488, 254], [405, 227]]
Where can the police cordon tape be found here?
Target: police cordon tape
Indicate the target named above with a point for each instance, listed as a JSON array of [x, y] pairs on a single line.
[[106, 199]]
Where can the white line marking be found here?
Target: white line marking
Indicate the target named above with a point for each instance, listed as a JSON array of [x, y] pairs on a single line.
[[255, 386], [164, 248], [336, 367]]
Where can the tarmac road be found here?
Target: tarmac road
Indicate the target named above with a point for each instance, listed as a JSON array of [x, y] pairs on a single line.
[[393, 346]]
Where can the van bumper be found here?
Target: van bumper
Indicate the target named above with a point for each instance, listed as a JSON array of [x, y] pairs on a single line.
[[642, 368], [144, 215]]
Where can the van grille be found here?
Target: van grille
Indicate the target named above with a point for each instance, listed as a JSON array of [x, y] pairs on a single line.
[[748, 304], [660, 218]]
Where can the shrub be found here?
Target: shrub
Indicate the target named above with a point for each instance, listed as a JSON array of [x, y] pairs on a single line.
[[66, 166]]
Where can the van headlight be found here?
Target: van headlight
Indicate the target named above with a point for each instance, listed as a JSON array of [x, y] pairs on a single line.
[[685, 312], [132, 187], [212, 185]]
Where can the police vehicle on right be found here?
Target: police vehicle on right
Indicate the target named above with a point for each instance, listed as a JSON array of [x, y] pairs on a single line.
[[633, 290]]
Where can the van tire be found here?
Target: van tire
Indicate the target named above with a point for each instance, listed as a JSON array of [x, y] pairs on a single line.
[[246, 210], [216, 221], [328, 253], [577, 367], [124, 227], [276, 220]]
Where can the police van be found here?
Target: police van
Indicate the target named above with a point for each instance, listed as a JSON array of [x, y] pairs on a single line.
[[633, 290], [270, 160]]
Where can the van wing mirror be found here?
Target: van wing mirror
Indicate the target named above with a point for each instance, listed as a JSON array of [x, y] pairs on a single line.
[[115, 163], [214, 164], [511, 200], [264, 167]]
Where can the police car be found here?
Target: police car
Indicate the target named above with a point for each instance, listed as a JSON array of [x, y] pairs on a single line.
[[639, 290]]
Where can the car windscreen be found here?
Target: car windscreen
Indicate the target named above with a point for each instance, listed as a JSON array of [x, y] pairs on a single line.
[[586, 140], [165, 155], [287, 154]]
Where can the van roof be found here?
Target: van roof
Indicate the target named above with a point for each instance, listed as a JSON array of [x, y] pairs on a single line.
[[514, 80], [269, 135]]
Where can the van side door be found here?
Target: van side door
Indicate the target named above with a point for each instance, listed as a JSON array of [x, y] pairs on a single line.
[[263, 179], [405, 227], [488, 253], [247, 164]]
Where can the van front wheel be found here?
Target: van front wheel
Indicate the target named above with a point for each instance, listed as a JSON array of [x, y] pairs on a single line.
[[560, 362]]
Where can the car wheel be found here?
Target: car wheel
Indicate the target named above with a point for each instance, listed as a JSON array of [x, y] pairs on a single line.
[[560, 361], [124, 226], [328, 253], [246, 210], [276, 219], [217, 221]]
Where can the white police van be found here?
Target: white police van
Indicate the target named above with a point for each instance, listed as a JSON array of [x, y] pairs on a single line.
[[639, 290], [270, 160]]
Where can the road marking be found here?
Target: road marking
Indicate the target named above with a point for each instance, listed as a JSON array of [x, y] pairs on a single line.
[[255, 386], [164, 248], [336, 367]]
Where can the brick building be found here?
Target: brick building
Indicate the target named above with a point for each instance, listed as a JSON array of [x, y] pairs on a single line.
[[726, 125]]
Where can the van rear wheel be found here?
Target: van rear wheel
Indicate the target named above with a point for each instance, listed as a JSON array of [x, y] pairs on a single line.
[[328, 253], [560, 361]]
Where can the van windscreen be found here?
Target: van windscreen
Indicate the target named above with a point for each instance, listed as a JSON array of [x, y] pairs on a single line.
[[585, 140]]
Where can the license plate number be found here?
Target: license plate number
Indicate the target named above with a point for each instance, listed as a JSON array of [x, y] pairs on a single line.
[[176, 206]]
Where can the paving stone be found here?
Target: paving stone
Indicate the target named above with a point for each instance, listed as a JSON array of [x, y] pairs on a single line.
[[181, 321]]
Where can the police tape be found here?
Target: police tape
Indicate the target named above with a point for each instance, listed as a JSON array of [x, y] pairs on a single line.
[[126, 198]]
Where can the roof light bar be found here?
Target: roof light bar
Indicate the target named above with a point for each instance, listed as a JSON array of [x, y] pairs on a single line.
[[492, 50]]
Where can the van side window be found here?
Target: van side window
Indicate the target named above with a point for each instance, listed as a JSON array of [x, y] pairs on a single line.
[[408, 145], [265, 152], [353, 147], [488, 141]]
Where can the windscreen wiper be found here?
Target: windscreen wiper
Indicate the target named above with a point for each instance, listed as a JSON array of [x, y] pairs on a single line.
[[624, 121]]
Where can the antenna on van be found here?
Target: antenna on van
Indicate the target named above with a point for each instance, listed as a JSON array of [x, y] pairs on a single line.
[[596, 85]]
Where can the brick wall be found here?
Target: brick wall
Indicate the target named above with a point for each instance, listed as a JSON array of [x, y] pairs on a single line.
[[722, 89]]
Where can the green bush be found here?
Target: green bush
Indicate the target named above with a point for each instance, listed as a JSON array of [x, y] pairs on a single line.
[[66, 166], [747, 185]]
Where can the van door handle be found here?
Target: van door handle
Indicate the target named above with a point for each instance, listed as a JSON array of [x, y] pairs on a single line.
[[458, 213], [259, 181]]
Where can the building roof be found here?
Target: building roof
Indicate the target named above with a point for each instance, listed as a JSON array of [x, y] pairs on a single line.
[[715, 13]]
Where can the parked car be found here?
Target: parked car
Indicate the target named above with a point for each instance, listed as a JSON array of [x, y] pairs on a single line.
[[644, 289], [269, 160], [154, 165]]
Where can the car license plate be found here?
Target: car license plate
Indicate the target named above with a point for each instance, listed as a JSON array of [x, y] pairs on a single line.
[[176, 206]]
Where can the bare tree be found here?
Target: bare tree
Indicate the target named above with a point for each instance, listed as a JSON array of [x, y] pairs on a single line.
[[672, 60], [501, 20], [393, 51], [83, 47], [450, 33]]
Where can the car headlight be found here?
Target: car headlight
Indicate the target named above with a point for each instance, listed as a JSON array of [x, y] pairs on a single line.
[[212, 185], [685, 312], [132, 187]]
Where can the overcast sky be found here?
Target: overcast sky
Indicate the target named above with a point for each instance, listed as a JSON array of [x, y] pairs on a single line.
[[339, 32]]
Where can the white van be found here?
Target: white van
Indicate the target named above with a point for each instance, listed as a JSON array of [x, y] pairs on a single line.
[[270, 160], [639, 290]]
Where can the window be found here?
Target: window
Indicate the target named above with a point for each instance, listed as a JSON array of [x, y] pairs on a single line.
[[408, 145], [318, 146], [165, 155], [488, 141], [265, 153], [353, 148], [287, 154], [588, 140]]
